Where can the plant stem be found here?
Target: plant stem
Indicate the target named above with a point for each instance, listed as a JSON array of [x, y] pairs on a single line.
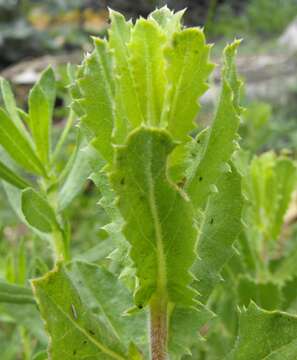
[[158, 327]]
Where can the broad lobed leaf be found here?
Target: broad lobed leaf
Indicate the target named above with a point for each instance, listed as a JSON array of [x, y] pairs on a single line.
[[265, 335], [163, 238], [88, 323]]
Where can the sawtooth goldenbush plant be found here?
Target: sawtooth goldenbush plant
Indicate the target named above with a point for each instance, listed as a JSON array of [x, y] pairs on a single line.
[[192, 265]]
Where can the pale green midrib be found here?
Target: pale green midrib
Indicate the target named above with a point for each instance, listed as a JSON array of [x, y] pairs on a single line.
[[150, 101], [100, 346], [130, 74], [40, 213], [177, 89], [43, 146], [110, 322], [161, 257], [34, 166], [106, 81], [276, 351]]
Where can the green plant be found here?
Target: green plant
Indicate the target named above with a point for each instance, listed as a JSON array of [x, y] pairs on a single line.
[[173, 203]]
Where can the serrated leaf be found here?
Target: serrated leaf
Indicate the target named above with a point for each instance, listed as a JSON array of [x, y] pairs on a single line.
[[17, 146], [220, 144], [184, 329], [163, 238], [38, 211], [12, 177], [126, 91], [148, 66], [87, 323], [265, 335], [219, 229], [41, 104], [187, 70], [267, 294], [268, 186], [167, 19], [96, 85]]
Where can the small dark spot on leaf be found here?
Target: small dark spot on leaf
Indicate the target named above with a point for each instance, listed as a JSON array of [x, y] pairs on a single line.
[[211, 220], [91, 332], [140, 306], [198, 141], [200, 178], [84, 342], [122, 181], [74, 352]]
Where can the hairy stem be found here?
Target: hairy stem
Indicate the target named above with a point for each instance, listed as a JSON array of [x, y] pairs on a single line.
[[158, 328]]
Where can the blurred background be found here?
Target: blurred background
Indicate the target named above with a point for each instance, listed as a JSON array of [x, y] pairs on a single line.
[[35, 34]]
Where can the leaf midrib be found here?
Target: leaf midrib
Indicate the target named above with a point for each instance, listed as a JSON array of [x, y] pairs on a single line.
[[97, 343]]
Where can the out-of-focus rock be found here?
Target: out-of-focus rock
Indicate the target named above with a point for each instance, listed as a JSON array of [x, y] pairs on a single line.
[[289, 38]]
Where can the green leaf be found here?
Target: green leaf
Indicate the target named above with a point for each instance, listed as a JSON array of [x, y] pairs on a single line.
[[184, 329], [219, 229], [78, 175], [41, 104], [268, 186], [163, 238], [17, 146], [126, 91], [187, 70], [222, 135], [96, 85], [11, 107], [267, 295], [87, 320], [15, 294], [11, 177], [167, 19], [265, 335], [148, 66], [14, 196], [38, 212]]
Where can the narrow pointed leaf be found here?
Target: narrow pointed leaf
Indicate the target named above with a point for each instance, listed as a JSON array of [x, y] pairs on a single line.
[[17, 146], [97, 90], [41, 103], [15, 294], [158, 216], [220, 227], [12, 177], [11, 107], [222, 136], [78, 175]]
